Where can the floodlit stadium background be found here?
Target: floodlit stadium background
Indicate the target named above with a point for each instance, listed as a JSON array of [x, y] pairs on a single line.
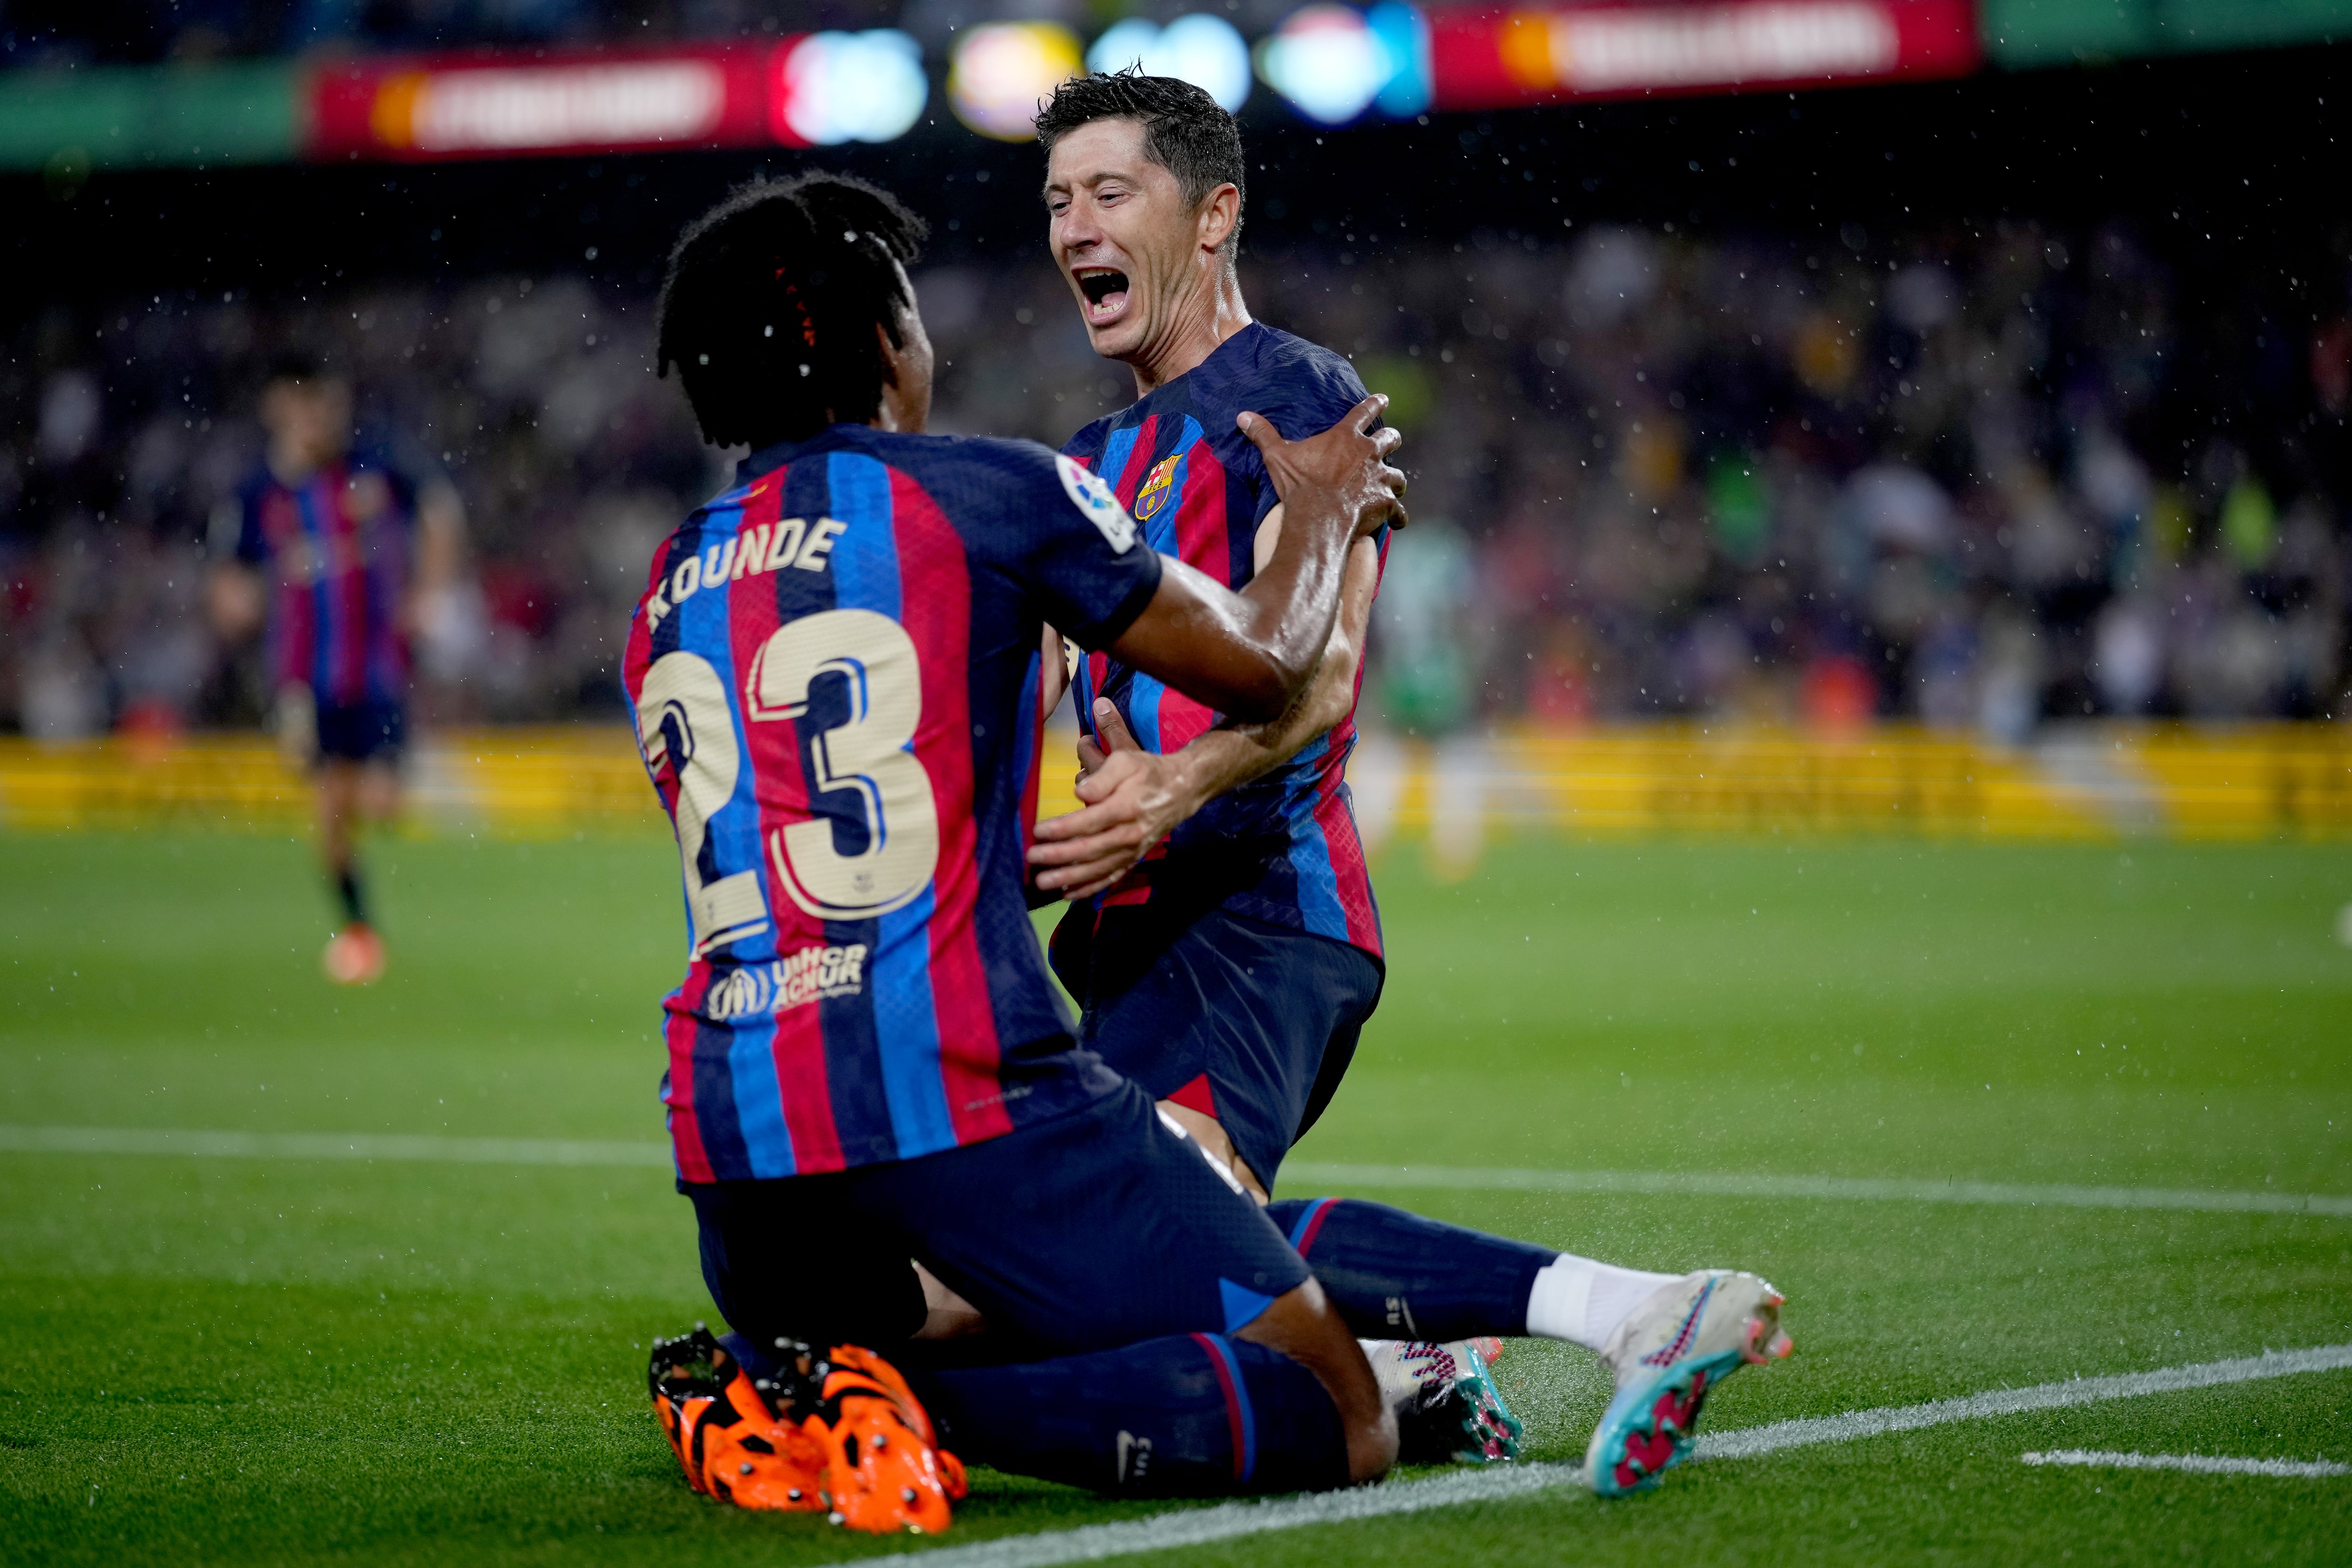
[[1898, 411], [1878, 605]]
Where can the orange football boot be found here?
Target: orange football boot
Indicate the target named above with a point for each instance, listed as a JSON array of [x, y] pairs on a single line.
[[884, 1470], [682, 1379], [730, 1437], [354, 955]]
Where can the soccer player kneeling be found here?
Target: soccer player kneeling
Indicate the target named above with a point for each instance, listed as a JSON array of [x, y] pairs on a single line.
[[835, 671], [1223, 938]]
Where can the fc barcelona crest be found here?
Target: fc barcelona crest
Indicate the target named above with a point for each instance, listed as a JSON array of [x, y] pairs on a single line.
[[1158, 486]]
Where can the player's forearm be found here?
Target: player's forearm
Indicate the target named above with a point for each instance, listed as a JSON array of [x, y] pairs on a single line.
[[1295, 601], [1225, 758], [1248, 654], [1232, 754], [1053, 671], [1326, 511]]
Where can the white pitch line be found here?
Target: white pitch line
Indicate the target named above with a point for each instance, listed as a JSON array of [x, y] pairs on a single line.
[[1751, 1440], [2195, 1464], [1203, 1526], [1199, 1527], [1868, 1189], [435, 1149]]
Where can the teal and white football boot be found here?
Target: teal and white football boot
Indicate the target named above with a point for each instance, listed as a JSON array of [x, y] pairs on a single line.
[[1668, 1356], [1448, 1409]]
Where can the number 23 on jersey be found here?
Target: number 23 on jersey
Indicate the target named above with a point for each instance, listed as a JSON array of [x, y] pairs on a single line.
[[686, 728]]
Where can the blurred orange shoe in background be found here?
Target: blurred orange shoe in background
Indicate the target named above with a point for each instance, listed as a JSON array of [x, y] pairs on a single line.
[[354, 956]]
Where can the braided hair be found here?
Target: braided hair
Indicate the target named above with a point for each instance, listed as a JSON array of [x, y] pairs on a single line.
[[770, 302]]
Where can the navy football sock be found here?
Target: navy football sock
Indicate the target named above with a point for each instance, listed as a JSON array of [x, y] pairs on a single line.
[[752, 1359], [1191, 1415], [349, 893], [1395, 1275]]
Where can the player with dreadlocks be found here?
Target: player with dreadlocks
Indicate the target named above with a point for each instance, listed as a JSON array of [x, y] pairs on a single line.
[[836, 676], [835, 673]]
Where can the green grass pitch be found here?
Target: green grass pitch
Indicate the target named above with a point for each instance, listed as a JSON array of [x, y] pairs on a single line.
[[255, 1361]]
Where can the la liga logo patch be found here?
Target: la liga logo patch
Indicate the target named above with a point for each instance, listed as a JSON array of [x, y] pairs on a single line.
[[1094, 497]]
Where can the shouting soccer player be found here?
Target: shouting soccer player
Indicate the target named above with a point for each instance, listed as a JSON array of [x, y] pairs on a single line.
[[835, 671], [835, 676], [339, 550], [1222, 937]]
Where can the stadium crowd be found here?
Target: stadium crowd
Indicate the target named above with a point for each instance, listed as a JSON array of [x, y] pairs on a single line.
[[1981, 480]]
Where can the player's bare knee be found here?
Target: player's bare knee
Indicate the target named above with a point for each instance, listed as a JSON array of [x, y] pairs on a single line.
[[1209, 1133], [1250, 1183], [946, 1314]]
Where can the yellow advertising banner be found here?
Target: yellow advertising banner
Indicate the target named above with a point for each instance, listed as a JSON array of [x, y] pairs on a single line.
[[2086, 783]]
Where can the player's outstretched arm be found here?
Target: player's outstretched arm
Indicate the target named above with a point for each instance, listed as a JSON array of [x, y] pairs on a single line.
[[1251, 654]]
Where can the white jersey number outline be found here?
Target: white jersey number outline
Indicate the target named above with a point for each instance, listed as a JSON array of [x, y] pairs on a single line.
[[684, 725], [683, 697]]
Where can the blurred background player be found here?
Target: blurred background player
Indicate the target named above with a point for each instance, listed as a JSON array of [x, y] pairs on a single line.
[[339, 550], [1428, 604]]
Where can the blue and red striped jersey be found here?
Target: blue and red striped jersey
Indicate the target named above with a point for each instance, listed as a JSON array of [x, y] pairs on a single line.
[[337, 546], [1284, 847], [835, 673]]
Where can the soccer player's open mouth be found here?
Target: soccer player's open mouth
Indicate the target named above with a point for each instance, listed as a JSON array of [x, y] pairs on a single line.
[[1106, 294]]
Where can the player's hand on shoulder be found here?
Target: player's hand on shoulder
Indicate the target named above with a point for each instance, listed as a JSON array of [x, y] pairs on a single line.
[[1349, 460]]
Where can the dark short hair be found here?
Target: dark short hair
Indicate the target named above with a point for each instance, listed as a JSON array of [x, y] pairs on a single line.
[[1185, 131], [770, 302]]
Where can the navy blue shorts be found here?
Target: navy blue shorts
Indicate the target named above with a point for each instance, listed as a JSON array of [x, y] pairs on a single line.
[[1269, 1016], [1083, 1232], [371, 730]]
